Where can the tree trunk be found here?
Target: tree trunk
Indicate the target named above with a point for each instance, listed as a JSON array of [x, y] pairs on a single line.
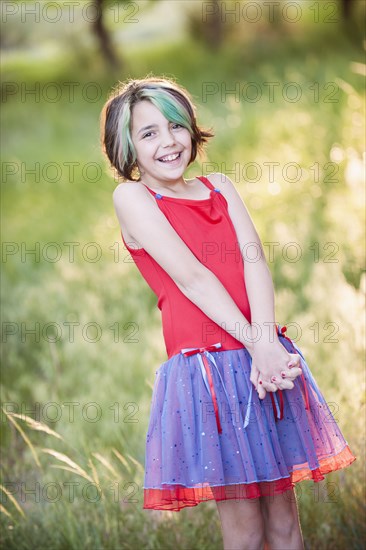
[[346, 8], [214, 28], [103, 37]]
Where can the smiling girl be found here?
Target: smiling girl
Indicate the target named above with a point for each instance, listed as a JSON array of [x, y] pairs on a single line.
[[236, 415]]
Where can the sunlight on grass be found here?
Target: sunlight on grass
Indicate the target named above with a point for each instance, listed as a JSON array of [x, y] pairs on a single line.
[[91, 365]]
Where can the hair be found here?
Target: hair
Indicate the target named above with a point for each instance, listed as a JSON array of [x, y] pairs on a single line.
[[173, 101]]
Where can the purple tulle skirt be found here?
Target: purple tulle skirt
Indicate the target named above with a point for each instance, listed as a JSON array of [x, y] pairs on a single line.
[[211, 437]]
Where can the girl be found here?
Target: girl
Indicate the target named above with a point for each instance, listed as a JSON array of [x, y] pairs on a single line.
[[236, 415]]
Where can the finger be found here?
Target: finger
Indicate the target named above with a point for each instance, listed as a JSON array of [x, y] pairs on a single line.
[[261, 391], [295, 361], [291, 373], [291, 370], [297, 372], [254, 379], [282, 383], [254, 375], [285, 385], [269, 386]]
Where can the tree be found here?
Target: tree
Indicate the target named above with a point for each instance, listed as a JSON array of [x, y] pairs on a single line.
[[346, 8], [103, 36], [101, 31]]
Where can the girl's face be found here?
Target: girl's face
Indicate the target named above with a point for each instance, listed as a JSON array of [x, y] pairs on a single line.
[[163, 148]]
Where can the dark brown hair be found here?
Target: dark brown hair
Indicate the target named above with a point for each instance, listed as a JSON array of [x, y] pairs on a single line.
[[116, 117]]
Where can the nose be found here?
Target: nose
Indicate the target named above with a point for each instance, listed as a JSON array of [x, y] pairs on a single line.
[[167, 138]]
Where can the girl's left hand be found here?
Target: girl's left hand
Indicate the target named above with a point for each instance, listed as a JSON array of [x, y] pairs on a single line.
[[269, 355]]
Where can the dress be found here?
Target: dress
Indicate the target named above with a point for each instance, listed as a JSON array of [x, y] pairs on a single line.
[[209, 435]]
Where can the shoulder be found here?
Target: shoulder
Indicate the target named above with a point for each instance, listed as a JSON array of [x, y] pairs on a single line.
[[227, 188], [126, 189], [236, 206], [134, 205], [130, 193], [221, 181]]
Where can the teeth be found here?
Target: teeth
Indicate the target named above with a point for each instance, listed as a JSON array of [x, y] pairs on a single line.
[[170, 157]]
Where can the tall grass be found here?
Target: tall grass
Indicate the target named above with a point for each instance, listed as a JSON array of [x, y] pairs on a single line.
[[84, 397]]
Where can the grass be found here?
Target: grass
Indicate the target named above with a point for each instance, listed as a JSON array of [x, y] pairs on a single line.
[[92, 387]]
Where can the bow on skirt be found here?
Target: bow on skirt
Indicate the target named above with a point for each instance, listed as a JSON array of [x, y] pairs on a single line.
[[203, 357], [204, 354]]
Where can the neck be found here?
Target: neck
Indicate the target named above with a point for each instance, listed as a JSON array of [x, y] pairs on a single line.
[[177, 185]]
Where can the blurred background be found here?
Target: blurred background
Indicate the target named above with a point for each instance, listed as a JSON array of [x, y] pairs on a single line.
[[283, 86]]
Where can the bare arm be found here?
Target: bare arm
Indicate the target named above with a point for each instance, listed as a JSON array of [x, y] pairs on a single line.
[[147, 224], [258, 278], [271, 358]]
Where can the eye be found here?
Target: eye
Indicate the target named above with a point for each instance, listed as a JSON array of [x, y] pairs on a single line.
[[150, 133]]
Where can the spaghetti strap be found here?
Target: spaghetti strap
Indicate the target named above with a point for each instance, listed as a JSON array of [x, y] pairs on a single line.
[[151, 191], [204, 180]]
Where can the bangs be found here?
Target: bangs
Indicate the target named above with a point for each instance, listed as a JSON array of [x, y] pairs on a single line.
[[169, 106]]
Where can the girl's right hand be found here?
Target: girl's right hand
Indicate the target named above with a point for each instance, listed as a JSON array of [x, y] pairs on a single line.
[[263, 383]]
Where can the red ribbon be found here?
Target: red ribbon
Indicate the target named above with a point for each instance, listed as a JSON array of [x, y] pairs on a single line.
[[274, 405], [214, 347], [209, 377], [307, 405]]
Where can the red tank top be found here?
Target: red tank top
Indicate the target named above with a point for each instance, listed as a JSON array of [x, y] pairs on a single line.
[[206, 228]]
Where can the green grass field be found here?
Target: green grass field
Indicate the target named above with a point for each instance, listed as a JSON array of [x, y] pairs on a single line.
[[88, 370]]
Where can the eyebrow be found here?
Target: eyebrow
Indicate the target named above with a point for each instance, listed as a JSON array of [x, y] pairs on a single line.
[[146, 128]]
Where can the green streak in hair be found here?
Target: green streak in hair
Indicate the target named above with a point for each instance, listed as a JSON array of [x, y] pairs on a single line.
[[170, 107]]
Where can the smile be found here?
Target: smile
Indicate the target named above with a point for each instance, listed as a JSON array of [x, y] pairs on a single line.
[[170, 158]]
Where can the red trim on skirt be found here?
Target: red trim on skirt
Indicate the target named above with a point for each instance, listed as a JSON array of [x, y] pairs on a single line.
[[177, 496]]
